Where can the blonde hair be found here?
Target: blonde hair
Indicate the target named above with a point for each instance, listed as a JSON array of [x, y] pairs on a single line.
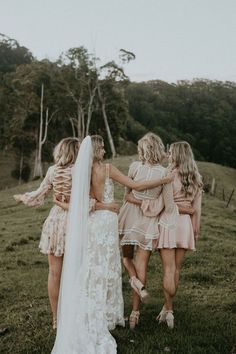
[[98, 145], [183, 158], [66, 151], [151, 149]]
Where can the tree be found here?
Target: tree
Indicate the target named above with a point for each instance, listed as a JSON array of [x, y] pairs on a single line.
[[114, 78], [32, 111], [79, 75], [12, 54]]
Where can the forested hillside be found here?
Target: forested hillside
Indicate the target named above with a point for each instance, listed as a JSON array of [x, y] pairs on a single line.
[[202, 112], [43, 101]]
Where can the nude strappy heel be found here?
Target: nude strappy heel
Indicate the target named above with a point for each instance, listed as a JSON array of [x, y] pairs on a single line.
[[140, 289], [133, 319], [170, 319], [161, 317]]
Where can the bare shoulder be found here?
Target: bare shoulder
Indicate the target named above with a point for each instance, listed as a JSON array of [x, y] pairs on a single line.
[[98, 171]]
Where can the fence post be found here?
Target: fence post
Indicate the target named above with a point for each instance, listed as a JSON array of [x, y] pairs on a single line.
[[223, 194], [213, 186], [231, 195]]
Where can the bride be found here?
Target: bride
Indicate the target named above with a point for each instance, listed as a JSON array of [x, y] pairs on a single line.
[[90, 301]]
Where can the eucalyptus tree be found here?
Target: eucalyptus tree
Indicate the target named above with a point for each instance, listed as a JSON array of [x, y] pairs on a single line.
[[78, 72], [33, 110], [112, 80], [92, 89]]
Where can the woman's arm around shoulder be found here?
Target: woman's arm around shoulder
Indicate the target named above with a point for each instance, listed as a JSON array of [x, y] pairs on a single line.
[[118, 176]]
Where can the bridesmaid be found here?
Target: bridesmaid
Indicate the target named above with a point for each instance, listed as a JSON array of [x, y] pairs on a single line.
[[173, 244], [137, 229], [52, 241]]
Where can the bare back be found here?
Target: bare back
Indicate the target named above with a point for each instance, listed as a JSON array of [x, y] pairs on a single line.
[[98, 178]]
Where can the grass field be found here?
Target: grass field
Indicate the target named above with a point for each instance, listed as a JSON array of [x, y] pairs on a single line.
[[205, 305]]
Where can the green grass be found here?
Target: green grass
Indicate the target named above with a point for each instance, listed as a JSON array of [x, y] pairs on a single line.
[[205, 305]]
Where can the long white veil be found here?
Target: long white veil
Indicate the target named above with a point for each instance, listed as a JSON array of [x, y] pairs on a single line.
[[71, 334]]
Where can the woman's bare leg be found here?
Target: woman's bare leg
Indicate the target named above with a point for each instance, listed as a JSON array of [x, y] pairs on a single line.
[[128, 254], [179, 258], [54, 278], [168, 263], [141, 263]]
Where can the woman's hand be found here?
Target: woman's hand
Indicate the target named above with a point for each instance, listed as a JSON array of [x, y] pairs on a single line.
[[62, 205], [168, 178], [114, 207], [17, 198], [129, 197], [154, 244], [186, 210]]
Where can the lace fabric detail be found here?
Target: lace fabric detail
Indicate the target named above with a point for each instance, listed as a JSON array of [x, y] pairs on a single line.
[[104, 281], [62, 180], [108, 193]]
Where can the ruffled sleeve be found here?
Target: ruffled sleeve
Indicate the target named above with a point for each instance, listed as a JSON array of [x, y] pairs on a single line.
[[36, 198], [196, 217], [132, 172], [171, 212]]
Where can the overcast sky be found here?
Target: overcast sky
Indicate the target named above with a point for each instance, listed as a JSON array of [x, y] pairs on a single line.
[[172, 39]]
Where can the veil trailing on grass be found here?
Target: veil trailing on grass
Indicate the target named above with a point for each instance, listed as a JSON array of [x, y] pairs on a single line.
[[72, 335]]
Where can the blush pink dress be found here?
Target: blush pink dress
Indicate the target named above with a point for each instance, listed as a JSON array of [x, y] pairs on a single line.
[[135, 227], [58, 179], [182, 236]]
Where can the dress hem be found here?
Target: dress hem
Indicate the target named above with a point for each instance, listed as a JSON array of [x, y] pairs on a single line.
[[145, 234], [136, 243]]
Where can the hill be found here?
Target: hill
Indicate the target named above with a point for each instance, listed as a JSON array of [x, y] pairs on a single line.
[[205, 306]]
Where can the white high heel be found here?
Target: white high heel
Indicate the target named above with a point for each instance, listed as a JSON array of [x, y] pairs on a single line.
[[161, 317], [170, 319], [133, 319], [140, 289]]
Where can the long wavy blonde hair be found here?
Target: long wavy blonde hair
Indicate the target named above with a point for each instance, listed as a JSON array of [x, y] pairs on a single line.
[[151, 149], [66, 151], [98, 145], [183, 159]]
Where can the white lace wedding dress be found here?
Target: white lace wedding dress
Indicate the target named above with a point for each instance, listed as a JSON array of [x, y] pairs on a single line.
[[91, 301], [104, 284]]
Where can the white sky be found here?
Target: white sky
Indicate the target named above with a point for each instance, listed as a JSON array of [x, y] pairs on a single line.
[[172, 39]]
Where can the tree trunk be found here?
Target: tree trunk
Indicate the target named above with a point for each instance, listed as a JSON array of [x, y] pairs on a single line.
[[21, 167], [90, 109], [104, 114], [79, 125], [83, 123], [38, 170], [72, 126]]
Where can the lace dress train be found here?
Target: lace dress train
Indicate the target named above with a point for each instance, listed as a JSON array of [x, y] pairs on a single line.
[[97, 295]]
